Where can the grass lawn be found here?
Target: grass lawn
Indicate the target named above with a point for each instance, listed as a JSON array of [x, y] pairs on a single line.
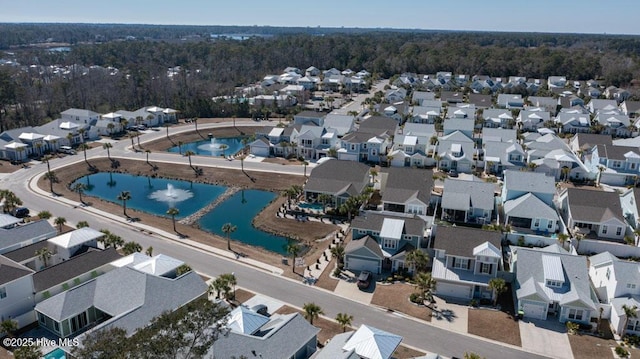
[[396, 297], [590, 347], [494, 324]]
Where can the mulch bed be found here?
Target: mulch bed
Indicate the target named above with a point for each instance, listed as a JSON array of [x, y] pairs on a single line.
[[325, 281], [396, 297]]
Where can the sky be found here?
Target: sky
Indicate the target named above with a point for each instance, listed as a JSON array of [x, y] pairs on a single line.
[[570, 16]]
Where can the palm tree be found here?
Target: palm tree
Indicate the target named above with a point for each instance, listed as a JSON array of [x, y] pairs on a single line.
[[60, 221], [600, 170], [224, 147], [131, 247], [180, 147], [43, 254], [9, 327], [311, 311], [149, 251], [373, 173], [218, 285], [418, 259], [230, 280], [107, 146], [79, 187], [227, 229], [44, 214], [338, 252], [189, 153], [124, 196], [499, 286], [51, 177], [425, 284], [324, 198], [82, 224], [344, 320], [562, 238], [166, 125], [84, 147], [11, 201], [242, 162], [629, 312], [110, 127], [332, 152], [173, 212], [294, 249]]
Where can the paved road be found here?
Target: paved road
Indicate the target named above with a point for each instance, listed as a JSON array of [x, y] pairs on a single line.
[[415, 333]]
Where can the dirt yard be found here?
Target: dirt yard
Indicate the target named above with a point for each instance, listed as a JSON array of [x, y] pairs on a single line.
[[494, 324], [396, 297], [590, 347]]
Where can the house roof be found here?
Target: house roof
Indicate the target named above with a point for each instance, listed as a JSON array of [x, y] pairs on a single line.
[[619, 153], [75, 266], [10, 270], [587, 141], [526, 181], [404, 183], [27, 232], [246, 321], [131, 298], [462, 241], [7, 220], [392, 228], [364, 242], [378, 125], [281, 337], [372, 343], [594, 206], [413, 226], [529, 206], [77, 237], [26, 252], [463, 195], [623, 271], [158, 265], [337, 176], [534, 266]]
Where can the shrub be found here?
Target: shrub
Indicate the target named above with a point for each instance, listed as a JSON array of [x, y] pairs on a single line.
[[572, 327], [473, 303], [621, 352], [416, 298], [337, 272]]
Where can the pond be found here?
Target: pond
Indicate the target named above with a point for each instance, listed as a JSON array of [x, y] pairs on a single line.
[[152, 195], [239, 210], [227, 146]]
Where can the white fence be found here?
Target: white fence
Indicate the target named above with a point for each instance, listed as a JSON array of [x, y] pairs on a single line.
[[588, 246], [531, 239]]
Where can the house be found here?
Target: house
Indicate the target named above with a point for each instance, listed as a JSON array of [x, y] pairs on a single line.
[[613, 124], [527, 201], [532, 119], [615, 165], [370, 142], [406, 190], [365, 343], [631, 207], [597, 105], [124, 298], [418, 96], [342, 124], [574, 122], [510, 101], [425, 114], [571, 101], [68, 244], [452, 97], [495, 117], [552, 156], [556, 81], [78, 116], [584, 143], [548, 104], [470, 201], [552, 281], [500, 156], [464, 261], [253, 335], [16, 235], [593, 212], [309, 117], [261, 147], [630, 108], [617, 283], [381, 241], [480, 101], [499, 135], [413, 144], [395, 95], [339, 179], [455, 152], [72, 272], [16, 292], [308, 141]]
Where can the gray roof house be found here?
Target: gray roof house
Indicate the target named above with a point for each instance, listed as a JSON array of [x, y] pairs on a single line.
[[455, 151], [18, 236], [340, 179], [123, 298], [468, 201], [593, 213], [519, 183], [381, 241], [343, 124], [501, 156], [497, 118], [406, 190], [549, 280], [16, 292], [465, 260], [252, 335]]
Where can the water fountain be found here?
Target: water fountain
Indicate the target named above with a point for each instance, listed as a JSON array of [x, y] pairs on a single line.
[[171, 194], [212, 146]]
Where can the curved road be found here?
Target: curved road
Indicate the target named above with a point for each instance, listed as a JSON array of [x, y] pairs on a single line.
[[415, 333]]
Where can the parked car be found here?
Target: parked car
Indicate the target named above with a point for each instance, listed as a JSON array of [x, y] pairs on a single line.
[[261, 309], [20, 212], [68, 150], [364, 279], [453, 173]]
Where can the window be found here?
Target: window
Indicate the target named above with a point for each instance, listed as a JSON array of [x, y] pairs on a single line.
[[486, 268], [633, 325], [631, 286], [56, 326], [554, 283], [537, 222], [633, 166], [41, 318], [608, 273], [576, 314], [604, 229], [389, 243], [3, 292], [550, 224], [618, 231], [364, 146], [353, 147], [461, 263]]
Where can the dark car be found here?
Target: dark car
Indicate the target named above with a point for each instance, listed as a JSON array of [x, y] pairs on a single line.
[[20, 212], [364, 279], [453, 173], [261, 309]]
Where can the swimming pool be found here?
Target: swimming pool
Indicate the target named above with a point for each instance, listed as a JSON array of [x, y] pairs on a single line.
[[57, 353], [306, 205]]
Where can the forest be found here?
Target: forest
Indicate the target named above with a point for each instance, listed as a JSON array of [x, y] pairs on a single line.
[[111, 67]]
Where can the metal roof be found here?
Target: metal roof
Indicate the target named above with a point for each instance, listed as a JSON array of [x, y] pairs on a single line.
[[552, 267], [392, 228]]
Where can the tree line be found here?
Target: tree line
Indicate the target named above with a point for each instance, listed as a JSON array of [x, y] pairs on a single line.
[[208, 68]]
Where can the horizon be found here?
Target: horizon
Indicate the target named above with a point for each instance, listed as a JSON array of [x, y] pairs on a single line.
[[543, 16]]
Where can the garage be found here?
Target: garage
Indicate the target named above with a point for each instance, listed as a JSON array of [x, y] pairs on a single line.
[[534, 310], [453, 290], [359, 264]]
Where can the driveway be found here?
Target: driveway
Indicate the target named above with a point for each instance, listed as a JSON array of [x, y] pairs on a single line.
[[271, 303], [546, 337], [450, 316], [350, 290]]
